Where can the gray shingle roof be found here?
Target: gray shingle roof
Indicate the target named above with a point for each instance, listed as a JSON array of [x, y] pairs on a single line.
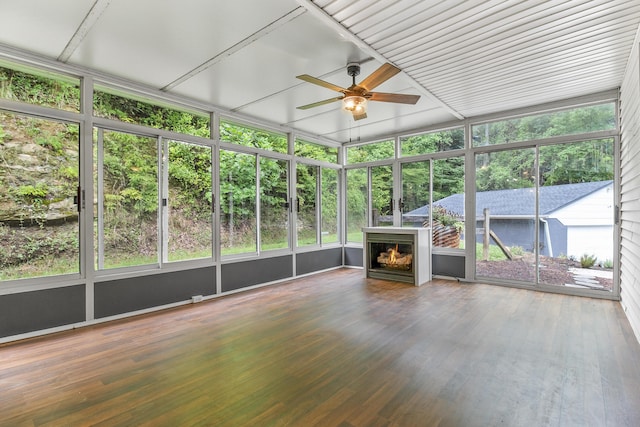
[[520, 201]]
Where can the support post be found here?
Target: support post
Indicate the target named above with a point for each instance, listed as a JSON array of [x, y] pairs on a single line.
[[485, 236]]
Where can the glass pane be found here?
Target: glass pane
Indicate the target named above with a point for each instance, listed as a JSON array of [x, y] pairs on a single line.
[[127, 233], [381, 196], [329, 231], [38, 216], [39, 87], [252, 137], [357, 204], [568, 122], [306, 204], [189, 202], [274, 211], [505, 215], [432, 142], [237, 203], [448, 203], [370, 152], [415, 194], [576, 215], [111, 105], [316, 151]]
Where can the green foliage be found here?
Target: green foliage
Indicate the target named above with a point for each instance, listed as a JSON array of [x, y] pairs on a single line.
[[559, 164], [130, 171], [316, 151], [250, 137], [39, 90], [587, 261], [433, 142], [3, 135], [495, 253], [608, 263], [370, 152], [447, 218], [53, 143], [31, 193], [505, 170], [69, 173], [568, 122], [26, 245], [517, 250], [448, 177], [577, 162], [145, 113]]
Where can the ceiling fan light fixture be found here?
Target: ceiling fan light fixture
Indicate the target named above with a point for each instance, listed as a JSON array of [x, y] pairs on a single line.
[[355, 104]]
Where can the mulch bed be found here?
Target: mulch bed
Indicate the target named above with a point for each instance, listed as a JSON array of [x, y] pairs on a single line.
[[554, 271]]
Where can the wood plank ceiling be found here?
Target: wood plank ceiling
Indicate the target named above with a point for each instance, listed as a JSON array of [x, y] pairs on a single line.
[[466, 58]]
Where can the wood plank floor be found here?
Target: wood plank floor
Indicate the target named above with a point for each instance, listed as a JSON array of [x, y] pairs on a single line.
[[336, 349]]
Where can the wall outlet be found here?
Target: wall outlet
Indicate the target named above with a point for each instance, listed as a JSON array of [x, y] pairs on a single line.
[[196, 298]]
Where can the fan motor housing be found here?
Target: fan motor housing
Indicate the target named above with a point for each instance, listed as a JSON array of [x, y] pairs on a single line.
[[353, 69]]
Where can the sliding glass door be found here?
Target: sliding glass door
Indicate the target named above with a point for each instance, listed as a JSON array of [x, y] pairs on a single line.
[[554, 230], [505, 215]]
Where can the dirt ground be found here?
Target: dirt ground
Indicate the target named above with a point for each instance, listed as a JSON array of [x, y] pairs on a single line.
[[554, 271]]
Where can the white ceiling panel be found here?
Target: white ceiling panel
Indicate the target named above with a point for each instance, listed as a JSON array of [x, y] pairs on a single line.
[[157, 41], [267, 67], [464, 57], [43, 27]]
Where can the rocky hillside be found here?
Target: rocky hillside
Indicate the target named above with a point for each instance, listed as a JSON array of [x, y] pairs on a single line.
[[39, 173]]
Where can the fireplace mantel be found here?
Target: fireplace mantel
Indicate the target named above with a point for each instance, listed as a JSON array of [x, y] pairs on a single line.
[[416, 240]]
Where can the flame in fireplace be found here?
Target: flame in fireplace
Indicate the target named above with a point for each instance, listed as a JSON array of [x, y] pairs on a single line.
[[393, 255]]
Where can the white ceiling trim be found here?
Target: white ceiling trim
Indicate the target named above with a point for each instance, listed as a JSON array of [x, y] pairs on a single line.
[[83, 29]]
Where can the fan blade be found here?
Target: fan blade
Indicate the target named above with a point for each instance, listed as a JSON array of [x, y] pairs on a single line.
[[319, 103], [316, 81], [400, 98], [360, 116], [379, 76]]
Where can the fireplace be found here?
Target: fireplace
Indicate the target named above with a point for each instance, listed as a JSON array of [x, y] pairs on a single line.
[[400, 254]]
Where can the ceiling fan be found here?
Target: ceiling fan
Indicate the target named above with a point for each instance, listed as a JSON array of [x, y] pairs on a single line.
[[355, 97]]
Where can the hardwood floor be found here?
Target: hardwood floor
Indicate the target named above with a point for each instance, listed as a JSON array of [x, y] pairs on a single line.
[[336, 349]]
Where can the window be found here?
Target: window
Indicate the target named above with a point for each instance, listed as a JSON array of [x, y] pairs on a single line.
[[576, 215], [415, 194], [505, 212], [357, 203], [19, 83], [568, 122], [274, 204], [382, 196], [448, 203], [39, 217], [189, 202], [317, 205], [314, 151], [126, 178], [547, 223], [370, 152], [307, 193], [238, 223], [329, 205], [252, 137], [432, 142], [369, 201], [110, 104], [442, 208]]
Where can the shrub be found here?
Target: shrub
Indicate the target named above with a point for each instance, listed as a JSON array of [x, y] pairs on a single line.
[[587, 261], [517, 250]]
